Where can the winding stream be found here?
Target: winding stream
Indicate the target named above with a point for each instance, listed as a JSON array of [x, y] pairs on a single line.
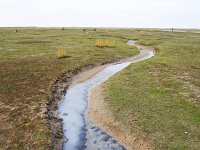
[[79, 133]]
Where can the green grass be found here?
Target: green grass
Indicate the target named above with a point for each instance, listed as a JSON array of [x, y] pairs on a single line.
[[159, 98], [29, 65]]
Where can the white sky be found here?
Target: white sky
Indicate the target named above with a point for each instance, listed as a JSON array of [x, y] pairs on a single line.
[[101, 13]]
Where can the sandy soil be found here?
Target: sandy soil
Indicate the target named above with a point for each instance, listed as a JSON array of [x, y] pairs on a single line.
[[87, 74]]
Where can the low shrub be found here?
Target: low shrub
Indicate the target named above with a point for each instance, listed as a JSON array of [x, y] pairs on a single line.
[[104, 43], [62, 53]]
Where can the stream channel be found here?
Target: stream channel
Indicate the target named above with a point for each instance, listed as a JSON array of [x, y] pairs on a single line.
[[79, 133]]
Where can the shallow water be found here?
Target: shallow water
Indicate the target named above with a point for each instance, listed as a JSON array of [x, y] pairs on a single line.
[[97, 139], [79, 134]]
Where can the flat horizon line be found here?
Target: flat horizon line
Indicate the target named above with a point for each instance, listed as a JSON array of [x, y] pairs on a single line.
[[99, 27]]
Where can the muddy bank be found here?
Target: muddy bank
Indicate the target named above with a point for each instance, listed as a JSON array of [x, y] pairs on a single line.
[[59, 89]]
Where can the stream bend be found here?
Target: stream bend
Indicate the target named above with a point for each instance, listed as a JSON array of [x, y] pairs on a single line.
[[79, 133]]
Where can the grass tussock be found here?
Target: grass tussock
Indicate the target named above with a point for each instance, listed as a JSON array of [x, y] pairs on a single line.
[[104, 43], [62, 53]]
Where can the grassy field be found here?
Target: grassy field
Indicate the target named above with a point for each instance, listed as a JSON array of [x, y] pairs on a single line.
[[29, 65], [159, 98]]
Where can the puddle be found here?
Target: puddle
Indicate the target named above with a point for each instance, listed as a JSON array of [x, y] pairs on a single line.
[[78, 132]]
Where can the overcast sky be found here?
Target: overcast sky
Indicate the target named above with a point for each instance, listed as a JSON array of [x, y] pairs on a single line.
[[101, 13]]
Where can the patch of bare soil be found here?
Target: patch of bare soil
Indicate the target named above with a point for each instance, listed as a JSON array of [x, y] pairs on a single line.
[[87, 74], [11, 50]]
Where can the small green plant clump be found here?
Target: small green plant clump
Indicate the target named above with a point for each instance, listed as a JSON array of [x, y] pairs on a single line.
[[62, 53], [104, 43]]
